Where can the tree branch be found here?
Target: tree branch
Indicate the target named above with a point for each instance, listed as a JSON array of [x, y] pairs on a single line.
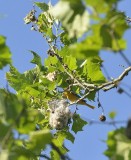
[[112, 84]]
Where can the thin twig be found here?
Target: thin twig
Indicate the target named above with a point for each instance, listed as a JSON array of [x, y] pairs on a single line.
[[44, 156], [106, 122], [125, 58]]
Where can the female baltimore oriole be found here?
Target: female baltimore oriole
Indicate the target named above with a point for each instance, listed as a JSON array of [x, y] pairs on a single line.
[[74, 97]]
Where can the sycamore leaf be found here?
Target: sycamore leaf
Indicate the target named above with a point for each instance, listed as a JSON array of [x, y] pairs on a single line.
[[43, 6], [38, 140], [4, 129], [54, 155], [5, 54], [64, 37], [119, 146], [36, 59], [10, 106], [73, 15], [13, 110], [93, 71], [20, 81], [65, 135], [78, 123], [71, 62]]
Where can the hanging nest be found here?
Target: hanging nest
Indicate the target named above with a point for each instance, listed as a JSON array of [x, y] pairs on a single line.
[[59, 114]]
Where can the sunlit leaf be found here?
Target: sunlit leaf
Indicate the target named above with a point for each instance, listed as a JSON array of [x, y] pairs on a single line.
[[54, 155], [74, 17], [93, 71], [70, 61]]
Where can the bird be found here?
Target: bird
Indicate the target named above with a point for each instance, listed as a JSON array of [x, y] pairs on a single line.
[[74, 97]]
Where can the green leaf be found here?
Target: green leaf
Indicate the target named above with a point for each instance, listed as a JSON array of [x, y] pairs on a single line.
[[106, 36], [27, 121], [53, 64], [112, 115], [70, 61], [38, 140], [62, 135], [64, 37], [45, 25], [43, 6], [5, 54], [14, 78], [10, 106], [119, 146], [74, 17], [78, 123], [20, 81], [5, 129], [54, 155], [59, 139], [20, 152], [49, 84], [102, 7], [13, 110], [93, 71], [88, 48], [118, 45], [36, 59]]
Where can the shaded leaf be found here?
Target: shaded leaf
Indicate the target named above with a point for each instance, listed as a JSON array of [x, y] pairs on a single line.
[[66, 135], [119, 146], [10, 106], [64, 37], [38, 140], [36, 59], [106, 36], [78, 123], [43, 6], [5, 54]]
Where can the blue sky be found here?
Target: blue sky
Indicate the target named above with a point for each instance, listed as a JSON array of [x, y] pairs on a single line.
[[20, 39]]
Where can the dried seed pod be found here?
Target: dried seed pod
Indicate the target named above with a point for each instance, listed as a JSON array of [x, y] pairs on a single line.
[[30, 17], [102, 118]]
